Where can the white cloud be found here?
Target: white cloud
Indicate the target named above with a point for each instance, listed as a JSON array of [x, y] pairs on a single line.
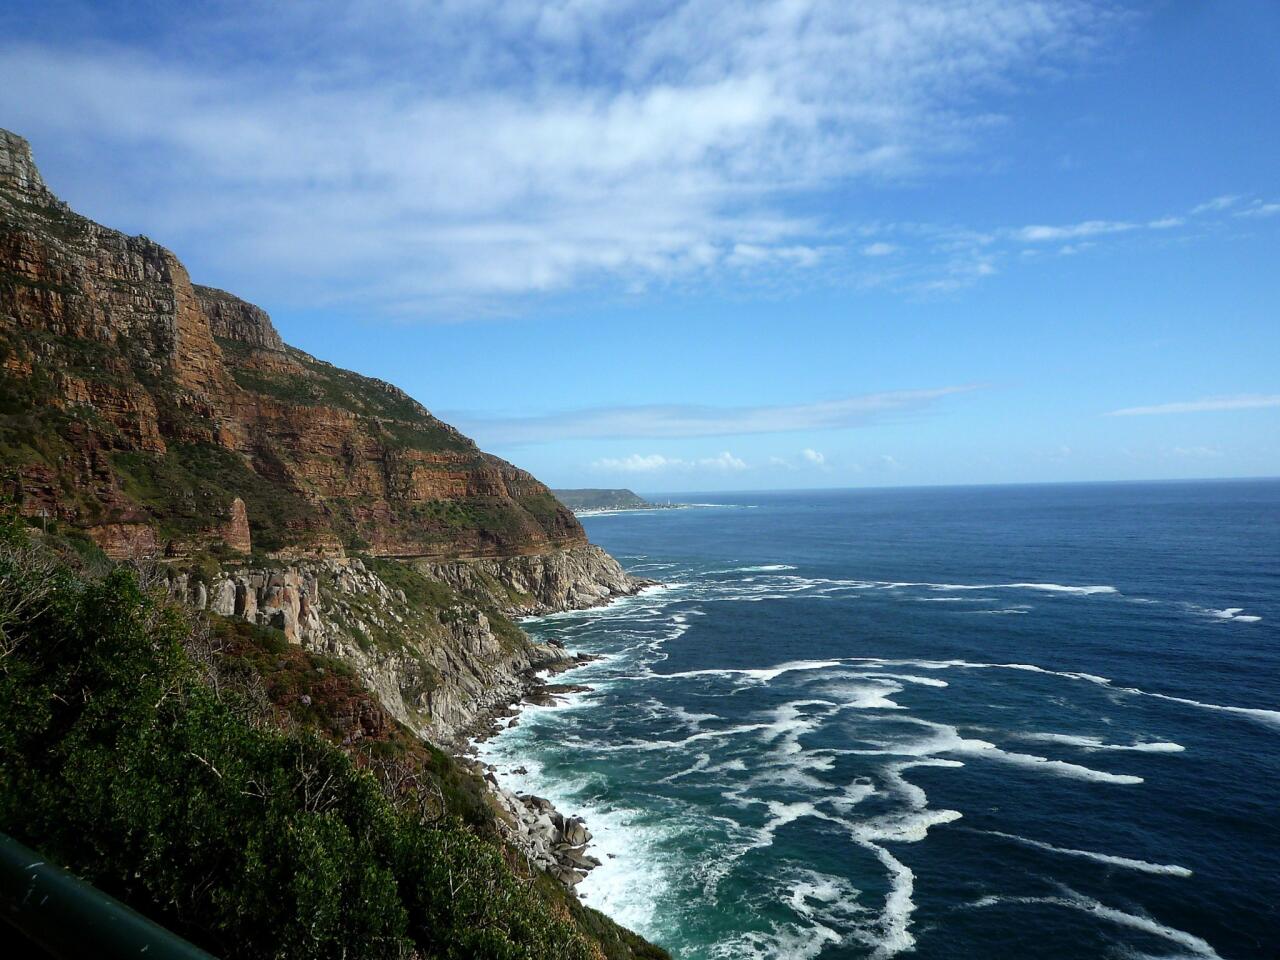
[[724, 461], [699, 421], [637, 463], [1241, 402], [813, 456], [1216, 205], [656, 462], [879, 249], [1089, 228], [1260, 209], [442, 155]]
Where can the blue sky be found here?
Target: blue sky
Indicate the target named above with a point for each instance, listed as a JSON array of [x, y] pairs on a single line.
[[719, 245]]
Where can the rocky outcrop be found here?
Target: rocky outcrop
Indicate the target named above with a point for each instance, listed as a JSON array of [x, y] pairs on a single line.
[[440, 668], [235, 532], [17, 167], [552, 842], [234, 319], [571, 579]]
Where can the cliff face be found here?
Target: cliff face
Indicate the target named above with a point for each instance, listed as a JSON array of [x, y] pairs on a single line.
[[439, 659], [140, 407]]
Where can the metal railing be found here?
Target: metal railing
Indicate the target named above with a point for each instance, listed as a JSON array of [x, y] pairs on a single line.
[[70, 918]]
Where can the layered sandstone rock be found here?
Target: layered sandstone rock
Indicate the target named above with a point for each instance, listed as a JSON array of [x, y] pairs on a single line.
[[135, 397]]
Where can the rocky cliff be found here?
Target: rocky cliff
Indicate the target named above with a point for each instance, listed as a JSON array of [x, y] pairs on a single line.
[[441, 660], [139, 407], [167, 420]]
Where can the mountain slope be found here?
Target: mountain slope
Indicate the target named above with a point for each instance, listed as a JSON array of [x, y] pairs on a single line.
[[141, 407]]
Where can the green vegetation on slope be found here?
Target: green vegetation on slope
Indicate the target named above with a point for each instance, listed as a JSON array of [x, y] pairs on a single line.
[[194, 483], [128, 755], [590, 499]]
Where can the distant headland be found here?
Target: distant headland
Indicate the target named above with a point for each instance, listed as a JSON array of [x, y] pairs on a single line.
[[589, 501]]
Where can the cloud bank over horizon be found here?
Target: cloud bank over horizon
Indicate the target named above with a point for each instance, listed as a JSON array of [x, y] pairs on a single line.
[[1255, 401], [674, 420]]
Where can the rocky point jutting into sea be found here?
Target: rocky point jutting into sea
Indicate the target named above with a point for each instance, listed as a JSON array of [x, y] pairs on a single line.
[[168, 425]]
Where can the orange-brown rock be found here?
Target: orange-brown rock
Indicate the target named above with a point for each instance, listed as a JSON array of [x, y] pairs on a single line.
[[235, 532], [133, 401]]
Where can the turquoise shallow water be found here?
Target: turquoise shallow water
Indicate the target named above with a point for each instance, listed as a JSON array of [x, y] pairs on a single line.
[[949, 723]]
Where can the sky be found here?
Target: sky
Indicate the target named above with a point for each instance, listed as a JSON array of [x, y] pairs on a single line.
[[717, 244]]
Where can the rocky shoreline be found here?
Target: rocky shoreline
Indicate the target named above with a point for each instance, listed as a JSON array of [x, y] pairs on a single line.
[[552, 842]]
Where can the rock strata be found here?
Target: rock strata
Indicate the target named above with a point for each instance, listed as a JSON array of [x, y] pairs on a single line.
[[135, 398]]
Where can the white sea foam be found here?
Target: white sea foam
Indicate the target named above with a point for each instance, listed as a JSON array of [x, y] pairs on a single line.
[[871, 694], [1144, 924], [812, 894], [1058, 767], [763, 674], [1094, 743], [944, 738], [1057, 588], [1167, 869], [895, 920], [906, 677], [1084, 591], [854, 793], [762, 568], [699, 765], [1231, 614], [1270, 717], [790, 941]]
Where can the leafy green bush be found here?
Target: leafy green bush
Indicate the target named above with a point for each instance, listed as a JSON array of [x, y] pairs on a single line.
[[116, 760]]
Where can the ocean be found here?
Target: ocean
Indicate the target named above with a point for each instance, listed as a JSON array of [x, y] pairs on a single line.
[[982, 722]]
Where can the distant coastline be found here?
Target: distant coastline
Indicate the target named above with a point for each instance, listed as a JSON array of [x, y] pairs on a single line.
[[590, 502]]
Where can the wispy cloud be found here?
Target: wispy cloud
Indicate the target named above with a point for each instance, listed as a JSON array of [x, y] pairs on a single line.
[[879, 249], [1217, 204], [699, 421], [1074, 231], [1252, 401], [724, 462], [1260, 209], [461, 155], [813, 456]]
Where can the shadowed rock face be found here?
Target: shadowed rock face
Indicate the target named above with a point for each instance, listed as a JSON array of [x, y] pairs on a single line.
[[140, 408]]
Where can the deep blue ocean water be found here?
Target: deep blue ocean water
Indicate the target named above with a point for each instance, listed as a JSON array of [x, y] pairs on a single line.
[[1037, 721]]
